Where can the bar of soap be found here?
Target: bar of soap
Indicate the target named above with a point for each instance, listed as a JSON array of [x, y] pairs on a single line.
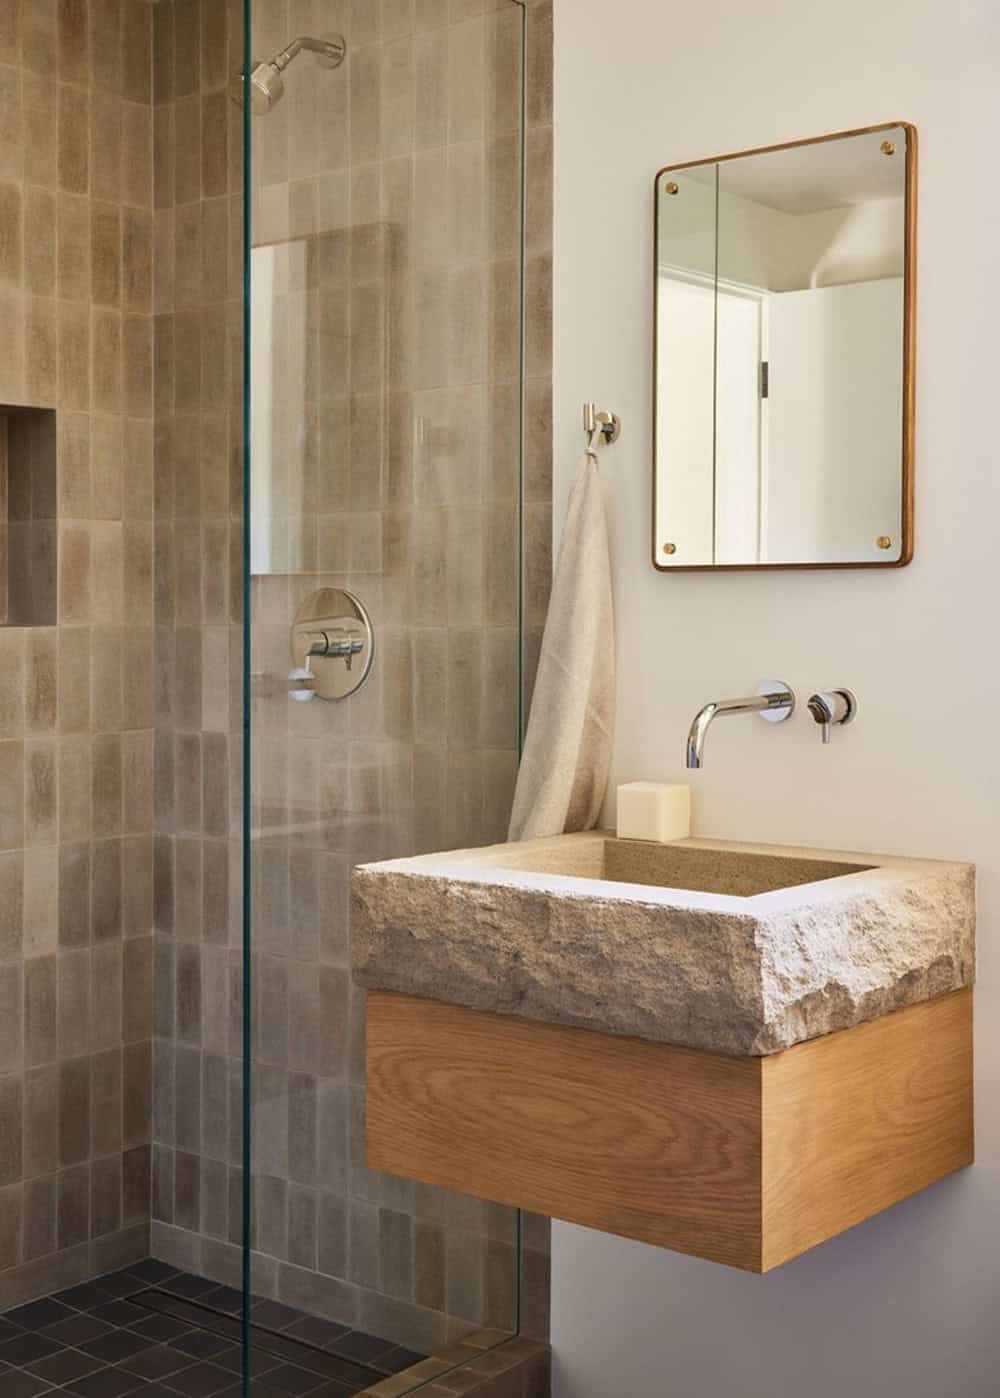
[[654, 811]]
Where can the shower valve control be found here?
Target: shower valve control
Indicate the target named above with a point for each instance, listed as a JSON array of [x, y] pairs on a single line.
[[838, 707], [339, 642], [333, 645]]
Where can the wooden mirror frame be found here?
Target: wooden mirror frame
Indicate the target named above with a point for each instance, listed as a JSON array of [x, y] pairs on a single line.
[[909, 346]]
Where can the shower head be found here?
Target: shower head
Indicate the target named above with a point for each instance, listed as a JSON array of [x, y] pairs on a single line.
[[266, 83], [266, 88]]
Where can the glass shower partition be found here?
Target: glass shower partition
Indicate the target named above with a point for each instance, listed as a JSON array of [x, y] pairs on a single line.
[[383, 257]]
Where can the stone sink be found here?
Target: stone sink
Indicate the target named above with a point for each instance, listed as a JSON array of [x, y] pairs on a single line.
[[731, 948]]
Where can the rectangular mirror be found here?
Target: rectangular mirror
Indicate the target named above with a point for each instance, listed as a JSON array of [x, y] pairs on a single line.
[[783, 354]]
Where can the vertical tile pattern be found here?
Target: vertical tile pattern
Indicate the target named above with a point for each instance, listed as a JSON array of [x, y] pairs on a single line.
[[76, 714], [194, 290], [387, 195]]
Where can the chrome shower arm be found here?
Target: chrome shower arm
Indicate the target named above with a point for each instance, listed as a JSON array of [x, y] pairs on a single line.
[[332, 50]]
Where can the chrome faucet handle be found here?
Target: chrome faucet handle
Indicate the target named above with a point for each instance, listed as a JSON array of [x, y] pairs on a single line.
[[838, 706]]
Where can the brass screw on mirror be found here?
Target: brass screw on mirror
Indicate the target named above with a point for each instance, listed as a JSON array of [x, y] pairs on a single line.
[[669, 548], [670, 187], [884, 542], [888, 147]]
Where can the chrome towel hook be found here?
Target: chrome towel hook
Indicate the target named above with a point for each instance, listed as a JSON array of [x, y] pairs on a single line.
[[595, 421]]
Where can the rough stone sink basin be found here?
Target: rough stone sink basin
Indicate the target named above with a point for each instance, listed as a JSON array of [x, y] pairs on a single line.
[[738, 872], [734, 948]]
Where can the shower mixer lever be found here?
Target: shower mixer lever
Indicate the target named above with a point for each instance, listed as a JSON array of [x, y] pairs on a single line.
[[340, 642], [332, 629]]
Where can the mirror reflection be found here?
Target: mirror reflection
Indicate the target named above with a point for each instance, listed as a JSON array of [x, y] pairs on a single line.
[[782, 349]]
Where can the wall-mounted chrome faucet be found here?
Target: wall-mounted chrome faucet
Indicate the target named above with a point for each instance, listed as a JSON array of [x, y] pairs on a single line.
[[839, 706], [774, 701]]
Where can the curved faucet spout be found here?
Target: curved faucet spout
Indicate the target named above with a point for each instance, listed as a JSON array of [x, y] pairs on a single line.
[[697, 734], [774, 701]]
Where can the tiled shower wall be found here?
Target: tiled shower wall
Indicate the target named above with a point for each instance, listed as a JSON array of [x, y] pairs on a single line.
[[392, 187], [76, 707], [77, 698], [198, 320]]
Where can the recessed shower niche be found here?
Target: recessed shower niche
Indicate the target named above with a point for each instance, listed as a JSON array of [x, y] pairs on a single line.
[[28, 516]]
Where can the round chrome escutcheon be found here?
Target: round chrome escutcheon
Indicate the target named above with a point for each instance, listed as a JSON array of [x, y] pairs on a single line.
[[333, 643]]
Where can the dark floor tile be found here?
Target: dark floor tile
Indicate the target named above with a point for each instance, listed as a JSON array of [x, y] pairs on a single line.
[[151, 1272], [202, 1344], [274, 1316], [195, 1315], [104, 1383], [77, 1330], [156, 1300], [202, 1381], [122, 1284], [331, 1366], [222, 1325], [289, 1379], [17, 1384], [398, 1359], [277, 1344], [267, 1390], [156, 1363], [26, 1349], [63, 1367], [260, 1363], [357, 1345], [230, 1357], [120, 1313], [186, 1285], [257, 1390], [160, 1328], [313, 1330], [223, 1298], [178, 1337], [355, 1376], [37, 1314], [325, 1362], [85, 1297], [119, 1345]]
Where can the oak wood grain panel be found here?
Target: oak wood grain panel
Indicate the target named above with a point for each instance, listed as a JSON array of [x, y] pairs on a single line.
[[645, 1140], [856, 1121]]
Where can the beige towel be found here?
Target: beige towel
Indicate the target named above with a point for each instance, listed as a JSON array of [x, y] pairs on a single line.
[[564, 767]]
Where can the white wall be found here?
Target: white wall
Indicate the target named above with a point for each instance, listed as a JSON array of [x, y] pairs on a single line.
[[831, 469], [907, 1306]]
